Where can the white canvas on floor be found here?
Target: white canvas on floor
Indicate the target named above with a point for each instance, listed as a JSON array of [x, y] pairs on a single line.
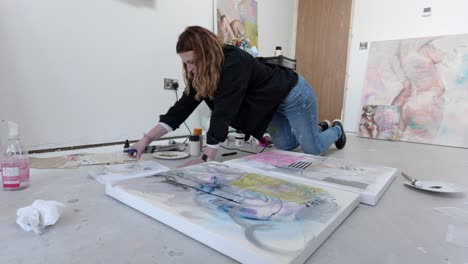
[[249, 217], [117, 172], [369, 181]]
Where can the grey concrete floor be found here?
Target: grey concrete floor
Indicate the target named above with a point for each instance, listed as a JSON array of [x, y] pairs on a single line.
[[402, 228]]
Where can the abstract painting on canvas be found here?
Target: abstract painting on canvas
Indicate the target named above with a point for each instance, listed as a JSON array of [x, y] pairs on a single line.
[[117, 172], [369, 181], [379, 121], [247, 216], [236, 23], [427, 78]]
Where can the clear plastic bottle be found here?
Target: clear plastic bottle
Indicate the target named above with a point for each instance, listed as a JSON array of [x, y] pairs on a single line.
[[15, 161]]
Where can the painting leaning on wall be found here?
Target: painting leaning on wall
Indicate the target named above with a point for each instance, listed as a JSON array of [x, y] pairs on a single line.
[[428, 79]]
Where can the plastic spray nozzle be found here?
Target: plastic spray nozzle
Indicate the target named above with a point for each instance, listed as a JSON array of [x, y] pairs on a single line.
[[13, 130]]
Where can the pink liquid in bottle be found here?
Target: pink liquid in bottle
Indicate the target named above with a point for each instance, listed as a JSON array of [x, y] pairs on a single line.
[[15, 161], [15, 172]]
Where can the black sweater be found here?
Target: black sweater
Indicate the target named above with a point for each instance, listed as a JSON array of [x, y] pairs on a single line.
[[247, 97]]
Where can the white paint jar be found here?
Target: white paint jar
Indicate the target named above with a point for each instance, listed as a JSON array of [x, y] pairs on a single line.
[[239, 138], [194, 145]]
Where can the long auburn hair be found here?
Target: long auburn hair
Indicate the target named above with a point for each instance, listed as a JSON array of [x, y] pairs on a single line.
[[207, 58]]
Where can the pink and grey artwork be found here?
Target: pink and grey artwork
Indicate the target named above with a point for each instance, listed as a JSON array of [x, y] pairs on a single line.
[[236, 22], [428, 79], [369, 181], [379, 121], [248, 216]]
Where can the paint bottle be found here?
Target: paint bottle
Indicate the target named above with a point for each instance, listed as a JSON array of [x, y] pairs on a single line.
[[239, 138], [194, 145], [278, 51], [198, 132], [15, 161]]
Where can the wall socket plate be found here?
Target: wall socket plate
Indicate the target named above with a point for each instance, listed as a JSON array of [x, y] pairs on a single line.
[[427, 11], [168, 83]]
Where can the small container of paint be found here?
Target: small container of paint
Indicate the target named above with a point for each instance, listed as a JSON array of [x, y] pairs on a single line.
[[239, 138], [198, 132], [278, 51], [194, 145]]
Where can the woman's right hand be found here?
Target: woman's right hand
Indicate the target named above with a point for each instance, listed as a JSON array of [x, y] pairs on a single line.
[[155, 133], [140, 147]]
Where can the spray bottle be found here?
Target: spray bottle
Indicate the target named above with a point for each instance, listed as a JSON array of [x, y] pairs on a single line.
[[15, 161]]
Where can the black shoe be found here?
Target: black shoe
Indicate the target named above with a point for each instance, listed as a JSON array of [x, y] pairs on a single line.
[[341, 142], [324, 125]]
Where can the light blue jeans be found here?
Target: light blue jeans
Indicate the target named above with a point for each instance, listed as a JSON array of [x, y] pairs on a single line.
[[295, 122]]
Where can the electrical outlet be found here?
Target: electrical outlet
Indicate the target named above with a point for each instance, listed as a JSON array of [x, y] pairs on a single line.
[[168, 84], [427, 11]]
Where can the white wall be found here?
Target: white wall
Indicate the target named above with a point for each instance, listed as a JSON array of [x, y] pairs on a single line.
[[375, 20], [277, 27], [78, 72]]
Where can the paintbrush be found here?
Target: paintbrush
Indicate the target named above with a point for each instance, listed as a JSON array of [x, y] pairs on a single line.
[[413, 181]]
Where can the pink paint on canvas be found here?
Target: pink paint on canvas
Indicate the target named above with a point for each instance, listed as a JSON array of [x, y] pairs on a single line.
[[379, 121], [428, 79]]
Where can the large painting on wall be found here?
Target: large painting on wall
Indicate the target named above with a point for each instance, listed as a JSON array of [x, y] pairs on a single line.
[[428, 79], [236, 23]]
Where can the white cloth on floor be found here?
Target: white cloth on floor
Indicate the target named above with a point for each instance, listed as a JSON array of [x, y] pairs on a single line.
[[39, 215]]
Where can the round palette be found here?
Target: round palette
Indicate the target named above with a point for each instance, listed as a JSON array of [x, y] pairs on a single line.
[[170, 155], [436, 186]]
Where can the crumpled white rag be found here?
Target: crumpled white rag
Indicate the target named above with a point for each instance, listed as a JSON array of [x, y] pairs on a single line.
[[39, 215]]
